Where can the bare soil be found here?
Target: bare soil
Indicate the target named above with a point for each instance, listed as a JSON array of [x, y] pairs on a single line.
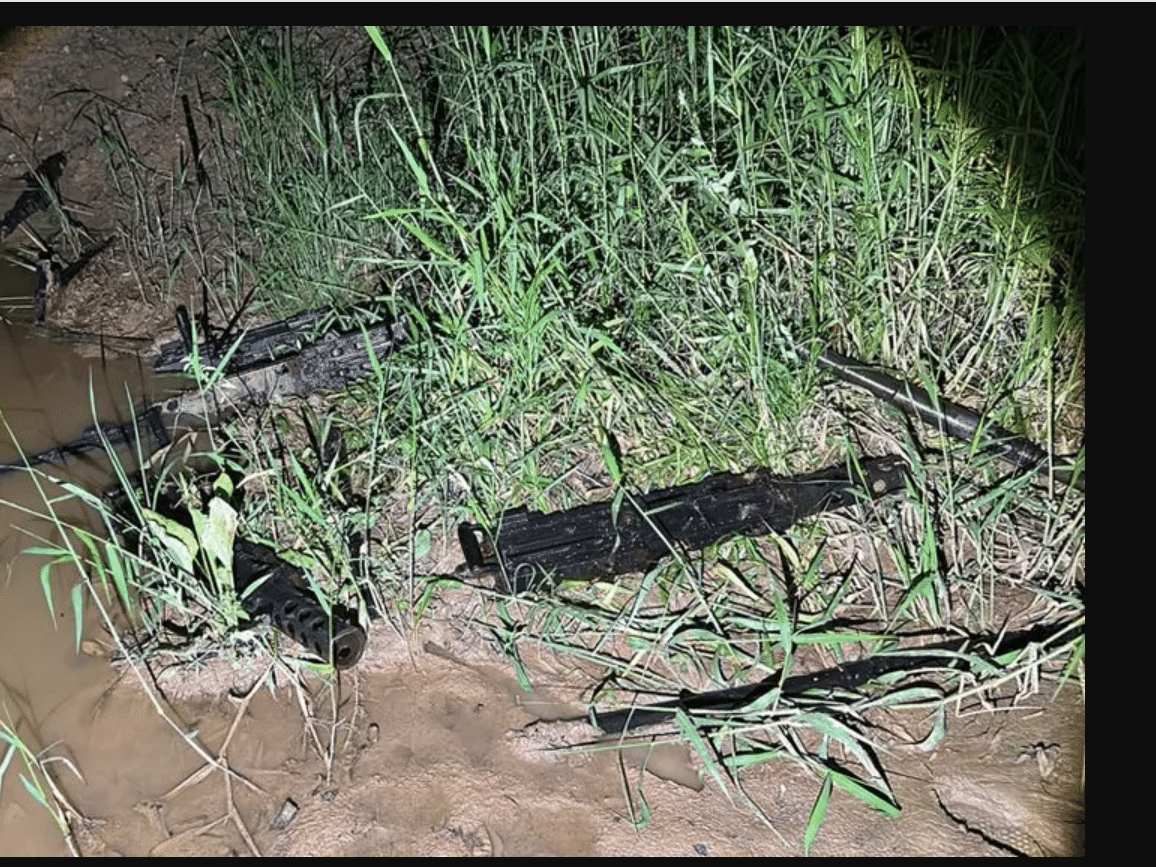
[[428, 746]]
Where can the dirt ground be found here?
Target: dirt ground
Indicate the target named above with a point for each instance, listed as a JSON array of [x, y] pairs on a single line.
[[434, 748]]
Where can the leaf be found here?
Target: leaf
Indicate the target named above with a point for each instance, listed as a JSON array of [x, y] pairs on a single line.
[[46, 552], [430, 591], [218, 533], [179, 541], [379, 41], [7, 757], [847, 737], [78, 609], [46, 584], [689, 731], [112, 556], [818, 814], [610, 454], [422, 543], [866, 794], [938, 731]]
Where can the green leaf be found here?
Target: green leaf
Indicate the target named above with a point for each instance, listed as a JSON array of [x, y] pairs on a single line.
[[430, 591], [849, 739], [36, 792], [112, 556], [422, 180], [78, 610], [7, 757], [688, 730], [46, 584], [46, 552], [379, 41], [866, 794], [610, 455], [179, 541], [938, 731], [818, 814], [218, 532], [422, 543]]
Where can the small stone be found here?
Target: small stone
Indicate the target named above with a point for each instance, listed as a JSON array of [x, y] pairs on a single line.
[[285, 815]]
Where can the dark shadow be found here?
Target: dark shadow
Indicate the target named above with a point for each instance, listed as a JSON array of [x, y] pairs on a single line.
[[1023, 89]]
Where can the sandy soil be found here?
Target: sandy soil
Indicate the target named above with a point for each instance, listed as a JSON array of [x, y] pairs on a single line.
[[428, 746]]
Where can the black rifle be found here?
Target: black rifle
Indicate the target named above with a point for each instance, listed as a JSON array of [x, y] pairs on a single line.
[[972, 654], [281, 592], [254, 347], [268, 586], [533, 550], [282, 360], [266, 365]]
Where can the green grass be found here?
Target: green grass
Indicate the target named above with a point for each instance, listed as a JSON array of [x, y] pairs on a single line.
[[33, 771], [610, 244]]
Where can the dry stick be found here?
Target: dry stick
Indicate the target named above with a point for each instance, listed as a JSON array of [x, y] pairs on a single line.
[[219, 762], [307, 716], [170, 842], [356, 708], [332, 688], [236, 817], [222, 763]]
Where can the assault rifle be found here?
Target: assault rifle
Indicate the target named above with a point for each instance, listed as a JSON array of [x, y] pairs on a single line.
[[281, 593], [268, 586], [975, 654], [532, 550], [262, 366]]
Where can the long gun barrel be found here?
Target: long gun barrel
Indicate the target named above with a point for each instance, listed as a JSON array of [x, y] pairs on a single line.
[[954, 420], [277, 592], [962, 654]]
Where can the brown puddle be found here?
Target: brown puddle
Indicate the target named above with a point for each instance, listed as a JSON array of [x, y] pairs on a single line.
[[46, 688]]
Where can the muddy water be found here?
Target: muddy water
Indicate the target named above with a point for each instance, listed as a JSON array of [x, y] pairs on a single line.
[[48, 394], [72, 706]]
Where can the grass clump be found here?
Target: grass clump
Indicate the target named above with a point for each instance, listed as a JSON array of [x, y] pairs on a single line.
[[611, 245]]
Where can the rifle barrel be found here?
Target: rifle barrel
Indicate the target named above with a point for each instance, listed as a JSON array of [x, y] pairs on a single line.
[[953, 419]]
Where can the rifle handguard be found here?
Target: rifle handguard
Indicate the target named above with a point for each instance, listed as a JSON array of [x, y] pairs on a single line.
[[532, 549]]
